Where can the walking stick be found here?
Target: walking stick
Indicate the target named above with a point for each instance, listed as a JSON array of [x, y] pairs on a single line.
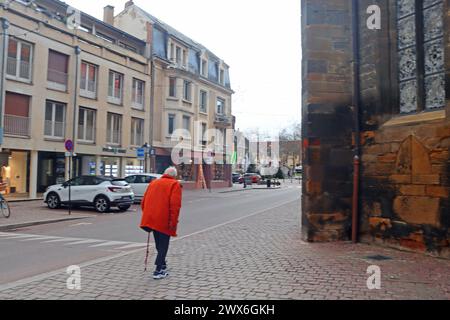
[[148, 251]]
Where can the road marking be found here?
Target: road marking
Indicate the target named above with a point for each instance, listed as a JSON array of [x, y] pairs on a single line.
[[38, 238], [132, 246], [95, 243], [59, 272], [83, 242], [17, 236], [62, 240], [80, 224], [108, 243]]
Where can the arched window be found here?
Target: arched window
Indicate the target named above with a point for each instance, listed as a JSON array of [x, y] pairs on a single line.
[[420, 29]]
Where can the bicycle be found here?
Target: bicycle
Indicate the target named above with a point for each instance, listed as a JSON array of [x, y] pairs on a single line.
[[4, 207]]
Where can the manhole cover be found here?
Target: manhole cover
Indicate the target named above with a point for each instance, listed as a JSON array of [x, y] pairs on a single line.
[[378, 257]]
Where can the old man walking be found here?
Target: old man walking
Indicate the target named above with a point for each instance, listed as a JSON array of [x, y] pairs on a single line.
[[161, 206]]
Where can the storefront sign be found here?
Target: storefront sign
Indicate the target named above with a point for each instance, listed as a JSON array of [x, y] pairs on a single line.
[[114, 150]]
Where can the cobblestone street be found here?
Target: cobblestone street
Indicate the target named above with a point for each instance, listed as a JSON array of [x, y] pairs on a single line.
[[258, 257]]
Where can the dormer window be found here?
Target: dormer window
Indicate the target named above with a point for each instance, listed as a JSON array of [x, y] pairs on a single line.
[[185, 55], [178, 56], [204, 68], [172, 52], [221, 76]]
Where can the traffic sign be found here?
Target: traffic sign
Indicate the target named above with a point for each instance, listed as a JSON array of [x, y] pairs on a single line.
[[69, 145], [140, 154]]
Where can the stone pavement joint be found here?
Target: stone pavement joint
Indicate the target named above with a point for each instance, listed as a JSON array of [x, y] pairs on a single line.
[[259, 257]]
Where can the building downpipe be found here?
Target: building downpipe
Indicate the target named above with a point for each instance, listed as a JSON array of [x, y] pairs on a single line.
[[356, 111], [4, 53]]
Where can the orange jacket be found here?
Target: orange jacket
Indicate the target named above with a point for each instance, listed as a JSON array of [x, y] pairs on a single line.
[[161, 206]]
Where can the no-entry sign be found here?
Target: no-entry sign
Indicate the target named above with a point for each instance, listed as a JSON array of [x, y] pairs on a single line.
[[69, 145]]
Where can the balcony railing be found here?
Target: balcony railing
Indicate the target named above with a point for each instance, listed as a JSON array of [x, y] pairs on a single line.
[[11, 67], [18, 69], [138, 101], [17, 126], [114, 96], [86, 133], [88, 88], [113, 137], [54, 129], [57, 80], [137, 140], [223, 119]]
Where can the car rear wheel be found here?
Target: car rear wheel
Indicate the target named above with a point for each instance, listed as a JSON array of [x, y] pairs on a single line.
[[102, 204], [124, 207], [53, 201]]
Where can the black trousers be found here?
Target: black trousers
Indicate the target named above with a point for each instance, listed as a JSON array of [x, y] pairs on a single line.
[[162, 246]]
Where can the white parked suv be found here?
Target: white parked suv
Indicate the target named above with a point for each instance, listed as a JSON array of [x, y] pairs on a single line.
[[100, 192]]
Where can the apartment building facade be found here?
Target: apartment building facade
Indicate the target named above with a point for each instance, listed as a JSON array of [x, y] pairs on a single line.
[[192, 92], [89, 83]]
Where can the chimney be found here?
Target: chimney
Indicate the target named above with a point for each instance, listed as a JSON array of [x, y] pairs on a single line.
[[129, 4], [108, 15]]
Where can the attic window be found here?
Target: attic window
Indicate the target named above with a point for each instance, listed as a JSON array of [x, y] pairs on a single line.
[[204, 67], [85, 29], [104, 37], [128, 47]]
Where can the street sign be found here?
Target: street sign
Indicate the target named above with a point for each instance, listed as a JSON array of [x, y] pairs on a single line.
[[69, 145], [152, 152], [140, 154], [70, 154]]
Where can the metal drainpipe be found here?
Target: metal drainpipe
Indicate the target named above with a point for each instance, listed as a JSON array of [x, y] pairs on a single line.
[[152, 107], [356, 111], [74, 122], [75, 96], [4, 32]]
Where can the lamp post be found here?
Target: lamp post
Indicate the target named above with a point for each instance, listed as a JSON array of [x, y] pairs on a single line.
[[146, 151]]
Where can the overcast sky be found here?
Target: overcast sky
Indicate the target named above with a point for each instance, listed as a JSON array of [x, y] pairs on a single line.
[[259, 39]]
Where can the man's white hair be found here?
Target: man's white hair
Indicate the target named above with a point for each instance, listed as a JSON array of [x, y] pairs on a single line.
[[171, 171]]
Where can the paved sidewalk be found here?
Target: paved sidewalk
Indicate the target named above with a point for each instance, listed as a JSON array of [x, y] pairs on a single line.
[[36, 212], [259, 257]]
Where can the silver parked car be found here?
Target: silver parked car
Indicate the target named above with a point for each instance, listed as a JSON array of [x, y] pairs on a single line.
[[140, 182]]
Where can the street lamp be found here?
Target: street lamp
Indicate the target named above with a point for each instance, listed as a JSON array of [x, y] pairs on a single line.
[[146, 148]]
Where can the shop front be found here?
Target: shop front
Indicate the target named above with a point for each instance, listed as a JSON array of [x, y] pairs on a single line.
[[110, 167], [133, 166], [88, 165], [51, 170], [15, 173], [163, 160]]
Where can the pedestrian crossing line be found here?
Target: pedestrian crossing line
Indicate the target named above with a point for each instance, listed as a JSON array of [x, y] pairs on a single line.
[[82, 242], [37, 239], [69, 241], [62, 240], [109, 243], [11, 236], [133, 245]]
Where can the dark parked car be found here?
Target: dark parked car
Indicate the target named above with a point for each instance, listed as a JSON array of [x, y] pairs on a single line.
[[235, 177]]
